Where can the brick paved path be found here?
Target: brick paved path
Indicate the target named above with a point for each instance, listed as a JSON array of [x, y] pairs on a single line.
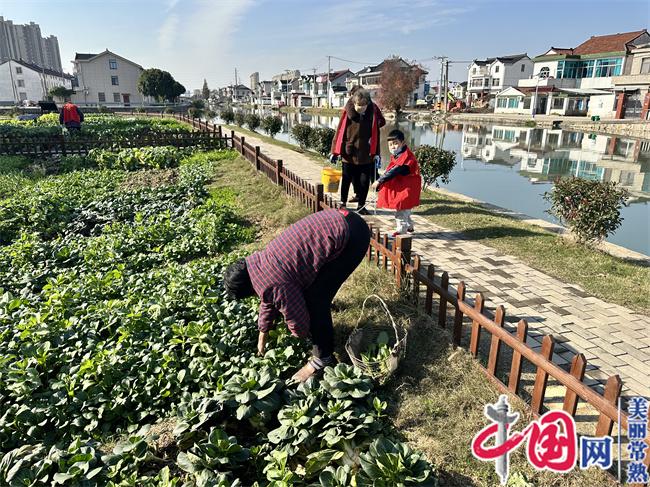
[[614, 339]]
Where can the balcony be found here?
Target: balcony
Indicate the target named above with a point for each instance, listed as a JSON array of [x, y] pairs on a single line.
[[632, 79]]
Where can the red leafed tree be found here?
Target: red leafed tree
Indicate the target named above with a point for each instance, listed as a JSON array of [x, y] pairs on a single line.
[[397, 82]]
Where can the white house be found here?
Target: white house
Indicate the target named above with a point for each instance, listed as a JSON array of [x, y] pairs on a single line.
[[486, 78], [587, 71], [459, 91], [370, 78], [315, 87], [106, 79], [21, 82]]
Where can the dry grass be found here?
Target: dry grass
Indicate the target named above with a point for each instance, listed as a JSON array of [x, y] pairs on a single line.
[[437, 396]]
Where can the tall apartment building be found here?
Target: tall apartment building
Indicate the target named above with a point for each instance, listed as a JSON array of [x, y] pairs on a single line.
[[25, 42]]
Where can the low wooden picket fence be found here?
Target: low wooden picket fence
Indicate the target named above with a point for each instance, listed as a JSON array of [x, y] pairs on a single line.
[[426, 286]]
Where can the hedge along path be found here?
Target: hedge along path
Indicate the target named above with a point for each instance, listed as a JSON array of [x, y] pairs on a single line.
[[614, 339]]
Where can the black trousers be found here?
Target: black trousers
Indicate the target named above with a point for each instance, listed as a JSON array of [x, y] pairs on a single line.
[[360, 176], [330, 278]]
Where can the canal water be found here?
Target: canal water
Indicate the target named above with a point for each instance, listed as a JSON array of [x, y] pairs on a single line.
[[513, 167]]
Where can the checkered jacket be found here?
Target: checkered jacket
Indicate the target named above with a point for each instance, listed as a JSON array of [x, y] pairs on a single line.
[[289, 264]]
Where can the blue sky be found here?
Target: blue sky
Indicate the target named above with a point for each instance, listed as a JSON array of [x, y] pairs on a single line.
[[196, 39]]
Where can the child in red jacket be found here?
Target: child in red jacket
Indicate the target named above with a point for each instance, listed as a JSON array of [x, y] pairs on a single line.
[[399, 187]]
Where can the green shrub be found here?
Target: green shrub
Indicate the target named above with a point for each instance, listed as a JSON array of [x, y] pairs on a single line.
[[228, 116], [240, 118], [140, 110], [102, 109], [434, 163], [272, 125], [320, 139], [301, 133], [253, 121], [590, 209], [195, 112]]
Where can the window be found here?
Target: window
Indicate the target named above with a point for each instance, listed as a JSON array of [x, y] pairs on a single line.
[[19, 70], [513, 102], [115, 81], [21, 83], [544, 72], [502, 102], [473, 70], [22, 95], [112, 63], [523, 68], [608, 67], [101, 97], [558, 103], [496, 82], [496, 69], [645, 65], [116, 97]]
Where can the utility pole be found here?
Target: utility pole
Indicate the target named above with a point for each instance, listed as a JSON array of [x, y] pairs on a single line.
[[446, 83], [442, 67], [329, 70]]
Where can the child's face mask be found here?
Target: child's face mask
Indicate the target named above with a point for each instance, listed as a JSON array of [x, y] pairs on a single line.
[[395, 146]]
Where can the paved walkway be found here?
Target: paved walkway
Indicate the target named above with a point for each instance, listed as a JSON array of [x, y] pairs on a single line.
[[614, 339]]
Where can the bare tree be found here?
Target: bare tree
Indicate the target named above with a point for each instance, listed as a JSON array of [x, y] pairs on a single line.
[[397, 82]]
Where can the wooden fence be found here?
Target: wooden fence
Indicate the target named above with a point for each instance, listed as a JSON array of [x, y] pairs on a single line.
[[424, 283], [82, 144]]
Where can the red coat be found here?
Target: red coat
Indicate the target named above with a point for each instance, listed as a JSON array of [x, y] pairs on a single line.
[[401, 192]]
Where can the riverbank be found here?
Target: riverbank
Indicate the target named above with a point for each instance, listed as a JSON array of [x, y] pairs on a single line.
[[331, 112], [624, 128]]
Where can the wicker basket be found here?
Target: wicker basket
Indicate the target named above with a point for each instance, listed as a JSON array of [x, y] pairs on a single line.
[[362, 338]]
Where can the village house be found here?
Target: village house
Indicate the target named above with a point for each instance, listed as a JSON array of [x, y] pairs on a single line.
[[632, 88], [576, 81], [106, 79], [23, 82], [486, 78]]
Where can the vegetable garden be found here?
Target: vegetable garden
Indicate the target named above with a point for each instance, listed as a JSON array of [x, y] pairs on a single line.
[[123, 363]]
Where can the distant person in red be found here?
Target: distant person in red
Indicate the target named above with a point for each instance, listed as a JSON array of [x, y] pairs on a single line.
[[298, 274], [399, 187], [70, 116]]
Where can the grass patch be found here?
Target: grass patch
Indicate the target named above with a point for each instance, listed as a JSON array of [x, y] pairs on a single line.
[[607, 277], [257, 198], [437, 396]]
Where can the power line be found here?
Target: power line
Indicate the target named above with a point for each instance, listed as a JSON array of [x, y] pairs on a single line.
[[350, 61]]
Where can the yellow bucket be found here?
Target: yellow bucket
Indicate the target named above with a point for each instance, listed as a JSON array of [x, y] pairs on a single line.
[[330, 178]]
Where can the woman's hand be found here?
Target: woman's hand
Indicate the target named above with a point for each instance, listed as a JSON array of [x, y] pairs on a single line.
[[375, 185], [261, 342]]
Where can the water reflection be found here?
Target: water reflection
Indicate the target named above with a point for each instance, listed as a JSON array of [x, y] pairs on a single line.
[[512, 167]]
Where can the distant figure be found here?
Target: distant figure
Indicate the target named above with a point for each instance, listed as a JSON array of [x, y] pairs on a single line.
[[399, 187], [71, 116], [357, 142]]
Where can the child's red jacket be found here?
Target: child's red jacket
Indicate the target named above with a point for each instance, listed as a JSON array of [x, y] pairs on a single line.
[[401, 192]]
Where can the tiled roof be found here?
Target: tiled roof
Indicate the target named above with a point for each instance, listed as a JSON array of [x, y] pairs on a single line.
[[607, 43], [562, 50], [40, 69], [82, 57], [504, 59]]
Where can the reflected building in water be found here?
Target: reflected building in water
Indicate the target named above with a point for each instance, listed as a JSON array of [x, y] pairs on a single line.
[[544, 155]]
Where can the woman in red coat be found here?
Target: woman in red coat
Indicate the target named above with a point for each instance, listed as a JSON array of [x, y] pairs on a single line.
[[399, 187]]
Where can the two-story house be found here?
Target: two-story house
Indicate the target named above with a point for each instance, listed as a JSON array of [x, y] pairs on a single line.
[[370, 78], [22, 82], [632, 88], [487, 77], [106, 79], [286, 88], [576, 81], [315, 88]]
